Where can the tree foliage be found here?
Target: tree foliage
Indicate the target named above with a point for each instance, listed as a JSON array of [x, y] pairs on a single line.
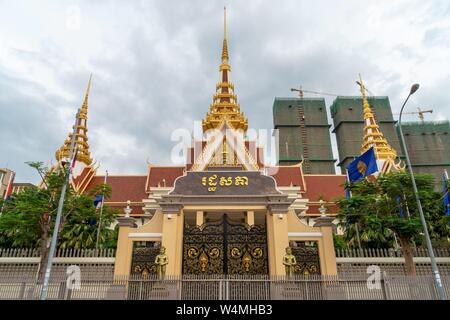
[[375, 207], [28, 217]]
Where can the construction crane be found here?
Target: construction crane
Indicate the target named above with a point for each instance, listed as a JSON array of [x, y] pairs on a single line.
[[365, 88], [301, 92], [420, 113]]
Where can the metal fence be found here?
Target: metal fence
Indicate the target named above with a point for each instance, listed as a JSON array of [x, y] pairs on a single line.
[[230, 288], [25, 263], [19, 271], [60, 253], [389, 253]]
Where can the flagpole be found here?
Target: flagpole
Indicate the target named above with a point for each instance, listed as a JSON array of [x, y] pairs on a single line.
[[58, 215], [447, 189], [356, 224], [101, 211]]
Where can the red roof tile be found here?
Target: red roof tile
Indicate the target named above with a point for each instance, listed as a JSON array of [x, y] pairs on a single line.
[[124, 188], [156, 175], [331, 187], [286, 176]]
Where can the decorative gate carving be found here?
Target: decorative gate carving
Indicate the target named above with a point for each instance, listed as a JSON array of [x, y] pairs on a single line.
[[143, 258], [308, 260], [225, 247]]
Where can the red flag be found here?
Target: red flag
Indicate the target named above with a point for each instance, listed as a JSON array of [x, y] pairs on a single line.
[[10, 186]]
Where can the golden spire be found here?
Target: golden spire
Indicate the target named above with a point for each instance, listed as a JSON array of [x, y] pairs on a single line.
[[225, 46], [372, 133], [81, 142], [225, 104]]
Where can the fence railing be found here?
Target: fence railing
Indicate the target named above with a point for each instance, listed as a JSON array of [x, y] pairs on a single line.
[[388, 253], [230, 288], [110, 253], [60, 253]]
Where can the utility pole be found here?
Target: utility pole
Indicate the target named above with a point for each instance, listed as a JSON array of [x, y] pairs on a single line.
[[68, 172]]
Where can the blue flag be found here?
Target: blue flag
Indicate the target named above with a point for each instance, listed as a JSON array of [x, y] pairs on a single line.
[[446, 197], [363, 166], [98, 201], [347, 196], [402, 212]]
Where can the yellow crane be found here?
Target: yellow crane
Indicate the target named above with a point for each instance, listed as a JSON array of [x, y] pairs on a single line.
[[302, 91], [420, 113]]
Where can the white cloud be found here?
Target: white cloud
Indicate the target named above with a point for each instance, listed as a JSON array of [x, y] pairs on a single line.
[[155, 66]]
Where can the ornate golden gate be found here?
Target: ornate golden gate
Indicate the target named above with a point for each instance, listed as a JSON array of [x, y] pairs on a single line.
[[308, 261], [143, 257], [225, 247]]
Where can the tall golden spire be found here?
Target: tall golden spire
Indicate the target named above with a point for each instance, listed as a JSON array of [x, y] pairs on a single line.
[[225, 104], [225, 46], [81, 142], [372, 133]]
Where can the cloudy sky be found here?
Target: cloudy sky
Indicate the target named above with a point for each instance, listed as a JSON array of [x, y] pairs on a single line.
[[155, 66]]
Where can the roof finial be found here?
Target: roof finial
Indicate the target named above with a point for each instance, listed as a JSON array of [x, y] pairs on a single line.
[[81, 142], [225, 47], [373, 137], [86, 97], [224, 22]]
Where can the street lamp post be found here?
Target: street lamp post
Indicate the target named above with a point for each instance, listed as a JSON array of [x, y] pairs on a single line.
[[434, 267], [51, 253]]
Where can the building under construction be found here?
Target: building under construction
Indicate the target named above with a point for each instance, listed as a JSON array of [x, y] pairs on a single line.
[[428, 147], [348, 120], [304, 134]]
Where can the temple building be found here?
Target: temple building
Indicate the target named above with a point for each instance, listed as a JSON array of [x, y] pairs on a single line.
[[224, 211]]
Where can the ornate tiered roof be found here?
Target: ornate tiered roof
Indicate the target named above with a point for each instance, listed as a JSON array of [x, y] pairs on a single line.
[[225, 104], [81, 142], [373, 137]]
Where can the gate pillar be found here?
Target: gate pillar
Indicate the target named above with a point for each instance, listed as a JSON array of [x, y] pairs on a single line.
[[277, 241], [327, 252], [124, 247], [172, 240]]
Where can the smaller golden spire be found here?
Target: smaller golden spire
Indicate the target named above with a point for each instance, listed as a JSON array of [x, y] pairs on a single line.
[[373, 137], [84, 106], [81, 141]]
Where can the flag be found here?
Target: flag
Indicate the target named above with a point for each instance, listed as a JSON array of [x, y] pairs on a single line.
[[347, 196], [363, 166], [398, 199], [10, 186], [74, 160], [98, 201], [446, 197]]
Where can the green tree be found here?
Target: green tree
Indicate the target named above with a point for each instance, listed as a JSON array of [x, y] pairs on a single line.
[[375, 208], [28, 218]]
